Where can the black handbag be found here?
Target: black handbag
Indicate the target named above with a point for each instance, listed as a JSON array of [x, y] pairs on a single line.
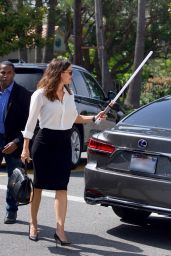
[[21, 186]]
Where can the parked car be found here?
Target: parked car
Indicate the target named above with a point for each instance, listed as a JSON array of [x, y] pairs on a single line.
[[89, 98], [129, 165]]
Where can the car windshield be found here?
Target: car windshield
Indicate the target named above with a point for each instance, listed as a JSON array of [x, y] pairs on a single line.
[[156, 114], [28, 81]]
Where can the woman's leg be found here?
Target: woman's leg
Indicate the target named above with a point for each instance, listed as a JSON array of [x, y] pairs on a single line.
[[60, 212], [34, 207]]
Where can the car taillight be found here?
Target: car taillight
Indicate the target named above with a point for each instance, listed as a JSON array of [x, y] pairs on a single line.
[[100, 146]]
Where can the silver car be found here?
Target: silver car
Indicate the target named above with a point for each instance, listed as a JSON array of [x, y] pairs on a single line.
[[129, 166]]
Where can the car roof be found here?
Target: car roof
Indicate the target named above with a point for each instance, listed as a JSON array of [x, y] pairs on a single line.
[[42, 66]]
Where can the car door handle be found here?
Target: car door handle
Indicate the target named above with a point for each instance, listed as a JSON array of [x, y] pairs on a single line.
[[78, 100], [100, 106]]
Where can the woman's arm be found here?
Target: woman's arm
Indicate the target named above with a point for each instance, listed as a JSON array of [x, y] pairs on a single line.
[[34, 111], [82, 119], [25, 155]]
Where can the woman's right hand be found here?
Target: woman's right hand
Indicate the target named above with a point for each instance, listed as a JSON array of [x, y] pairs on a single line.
[[25, 156]]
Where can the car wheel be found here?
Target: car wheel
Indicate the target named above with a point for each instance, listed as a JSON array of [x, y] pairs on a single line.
[[130, 215], [76, 146]]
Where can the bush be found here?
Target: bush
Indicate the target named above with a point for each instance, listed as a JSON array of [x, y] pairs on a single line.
[[155, 88]]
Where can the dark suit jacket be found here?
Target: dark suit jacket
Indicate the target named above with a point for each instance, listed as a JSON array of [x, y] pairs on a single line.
[[16, 116]]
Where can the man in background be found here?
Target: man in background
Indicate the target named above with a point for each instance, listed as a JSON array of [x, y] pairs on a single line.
[[14, 109]]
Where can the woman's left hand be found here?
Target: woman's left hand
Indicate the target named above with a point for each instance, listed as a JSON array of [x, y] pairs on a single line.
[[25, 156], [101, 115]]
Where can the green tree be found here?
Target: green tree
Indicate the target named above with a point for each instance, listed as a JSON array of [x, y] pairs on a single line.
[[51, 22], [18, 30], [134, 90], [105, 74], [77, 32], [39, 29], [17, 25]]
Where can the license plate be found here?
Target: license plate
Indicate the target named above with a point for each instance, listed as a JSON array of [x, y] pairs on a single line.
[[143, 163]]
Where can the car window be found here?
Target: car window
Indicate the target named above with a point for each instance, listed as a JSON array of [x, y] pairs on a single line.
[[79, 83], [94, 88], [28, 77], [157, 114], [73, 87]]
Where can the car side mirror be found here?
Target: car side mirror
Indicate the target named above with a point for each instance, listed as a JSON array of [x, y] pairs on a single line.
[[111, 95]]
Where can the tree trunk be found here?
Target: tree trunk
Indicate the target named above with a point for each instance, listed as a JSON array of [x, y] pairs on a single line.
[[23, 49], [49, 48], [134, 91], [77, 33], [23, 54], [107, 83], [38, 53]]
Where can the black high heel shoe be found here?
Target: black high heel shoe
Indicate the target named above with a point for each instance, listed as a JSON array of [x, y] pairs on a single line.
[[63, 243], [33, 238]]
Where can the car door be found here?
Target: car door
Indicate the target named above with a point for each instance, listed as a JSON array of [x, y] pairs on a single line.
[[90, 99], [85, 104], [97, 95]]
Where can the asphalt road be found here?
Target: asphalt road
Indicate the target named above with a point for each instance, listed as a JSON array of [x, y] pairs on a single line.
[[93, 230]]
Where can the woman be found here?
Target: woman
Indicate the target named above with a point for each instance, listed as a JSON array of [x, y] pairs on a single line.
[[54, 106]]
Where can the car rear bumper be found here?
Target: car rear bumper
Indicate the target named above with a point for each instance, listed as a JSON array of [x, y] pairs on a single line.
[[126, 190]]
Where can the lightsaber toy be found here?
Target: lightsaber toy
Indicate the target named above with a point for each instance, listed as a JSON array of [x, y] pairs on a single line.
[[106, 110]]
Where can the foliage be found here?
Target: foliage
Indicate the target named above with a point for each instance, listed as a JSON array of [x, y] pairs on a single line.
[[158, 27], [120, 32], [17, 30], [155, 88], [158, 78], [17, 26]]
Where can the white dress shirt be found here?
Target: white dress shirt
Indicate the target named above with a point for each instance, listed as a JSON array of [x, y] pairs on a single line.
[[55, 115]]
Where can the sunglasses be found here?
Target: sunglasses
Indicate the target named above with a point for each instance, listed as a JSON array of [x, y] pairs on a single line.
[[69, 72]]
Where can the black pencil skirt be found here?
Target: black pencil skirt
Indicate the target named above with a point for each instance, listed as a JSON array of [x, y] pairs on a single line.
[[51, 154]]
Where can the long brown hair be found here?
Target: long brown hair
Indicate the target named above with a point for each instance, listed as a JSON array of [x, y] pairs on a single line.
[[52, 77]]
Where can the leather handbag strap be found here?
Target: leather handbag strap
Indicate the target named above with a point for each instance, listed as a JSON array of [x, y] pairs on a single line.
[[25, 167]]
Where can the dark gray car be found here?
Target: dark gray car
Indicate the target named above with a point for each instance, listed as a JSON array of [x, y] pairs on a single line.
[[89, 98], [129, 166]]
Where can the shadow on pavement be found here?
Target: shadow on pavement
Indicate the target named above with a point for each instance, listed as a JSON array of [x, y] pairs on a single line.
[[82, 244], [156, 232]]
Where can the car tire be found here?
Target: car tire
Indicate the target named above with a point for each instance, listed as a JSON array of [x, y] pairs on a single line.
[[76, 146], [131, 215]]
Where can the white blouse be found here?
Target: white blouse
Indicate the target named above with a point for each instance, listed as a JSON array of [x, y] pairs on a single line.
[[55, 115]]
